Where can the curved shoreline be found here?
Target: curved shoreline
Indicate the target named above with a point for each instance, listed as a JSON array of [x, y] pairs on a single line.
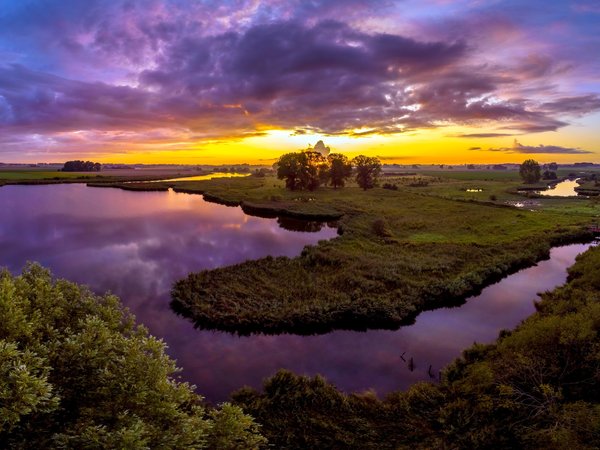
[[473, 283], [198, 296], [252, 209], [323, 288]]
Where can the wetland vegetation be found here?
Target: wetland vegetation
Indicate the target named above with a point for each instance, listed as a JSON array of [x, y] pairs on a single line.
[[430, 242], [77, 372], [536, 387]]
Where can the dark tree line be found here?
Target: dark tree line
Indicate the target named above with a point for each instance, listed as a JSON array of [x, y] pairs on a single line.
[[81, 166], [308, 170]]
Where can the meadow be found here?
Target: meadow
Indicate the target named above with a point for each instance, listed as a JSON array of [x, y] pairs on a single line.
[[398, 252], [41, 175]]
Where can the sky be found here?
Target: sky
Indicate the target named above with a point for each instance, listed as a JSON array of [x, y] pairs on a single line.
[[210, 82]]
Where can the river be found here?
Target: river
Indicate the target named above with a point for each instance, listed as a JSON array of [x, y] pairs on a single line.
[[136, 244]]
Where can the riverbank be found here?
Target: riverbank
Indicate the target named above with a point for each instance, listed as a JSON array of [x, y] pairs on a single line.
[[398, 253], [536, 387]]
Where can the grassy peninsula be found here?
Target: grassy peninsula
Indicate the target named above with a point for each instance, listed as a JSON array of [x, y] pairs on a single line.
[[398, 252], [536, 387]]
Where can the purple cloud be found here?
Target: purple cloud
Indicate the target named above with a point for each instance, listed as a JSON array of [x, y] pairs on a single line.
[[163, 71], [541, 149]]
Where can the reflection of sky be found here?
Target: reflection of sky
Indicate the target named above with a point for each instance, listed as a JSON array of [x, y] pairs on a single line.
[[209, 176], [136, 244], [563, 189]]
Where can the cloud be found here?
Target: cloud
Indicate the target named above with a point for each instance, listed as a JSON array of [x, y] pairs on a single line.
[[394, 157], [541, 149], [165, 72], [576, 105], [483, 135]]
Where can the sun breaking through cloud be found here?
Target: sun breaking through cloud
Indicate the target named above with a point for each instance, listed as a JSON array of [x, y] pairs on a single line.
[[180, 80]]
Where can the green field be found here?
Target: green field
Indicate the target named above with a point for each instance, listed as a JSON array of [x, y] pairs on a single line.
[[42, 176], [399, 252], [19, 175], [485, 175]]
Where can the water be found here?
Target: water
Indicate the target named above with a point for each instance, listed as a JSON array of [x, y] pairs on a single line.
[[136, 244], [209, 176], [563, 189]]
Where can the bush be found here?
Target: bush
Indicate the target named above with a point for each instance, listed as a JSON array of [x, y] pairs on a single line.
[[76, 372], [380, 228]]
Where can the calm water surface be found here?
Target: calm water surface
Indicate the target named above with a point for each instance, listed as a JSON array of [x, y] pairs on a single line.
[[136, 244], [563, 189], [208, 176]]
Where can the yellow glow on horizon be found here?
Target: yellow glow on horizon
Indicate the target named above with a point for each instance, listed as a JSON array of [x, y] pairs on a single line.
[[434, 146]]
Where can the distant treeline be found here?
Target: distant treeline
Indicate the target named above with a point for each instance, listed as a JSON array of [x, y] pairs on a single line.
[[81, 166]]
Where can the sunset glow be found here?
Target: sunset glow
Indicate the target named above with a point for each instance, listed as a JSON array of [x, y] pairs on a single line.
[[243, 81]]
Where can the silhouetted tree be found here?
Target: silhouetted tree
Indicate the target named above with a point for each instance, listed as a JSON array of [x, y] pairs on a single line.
[[367, 171], [340, 169], [288, 169], [549, 175], [530, 171], [313, 170], [553, 166], [302, 170]]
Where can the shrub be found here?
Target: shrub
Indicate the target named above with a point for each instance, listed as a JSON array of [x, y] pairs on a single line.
[[76, 372]]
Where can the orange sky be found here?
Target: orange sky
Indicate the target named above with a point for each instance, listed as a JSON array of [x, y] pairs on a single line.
[[426, 147]]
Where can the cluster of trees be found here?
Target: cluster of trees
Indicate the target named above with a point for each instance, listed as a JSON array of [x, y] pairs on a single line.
[[81, 166], [76, 372], [262, 172], [308, 170], [242, 168]]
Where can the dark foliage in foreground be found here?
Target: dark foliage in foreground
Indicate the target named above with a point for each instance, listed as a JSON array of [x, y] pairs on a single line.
[[76, 372], [536, 387]]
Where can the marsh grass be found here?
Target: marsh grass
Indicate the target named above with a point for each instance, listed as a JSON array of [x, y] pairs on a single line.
[[398, 253], [536, 387]]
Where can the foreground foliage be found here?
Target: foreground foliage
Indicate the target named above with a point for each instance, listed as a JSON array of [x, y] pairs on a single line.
[[76, 372], [536, 387]]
